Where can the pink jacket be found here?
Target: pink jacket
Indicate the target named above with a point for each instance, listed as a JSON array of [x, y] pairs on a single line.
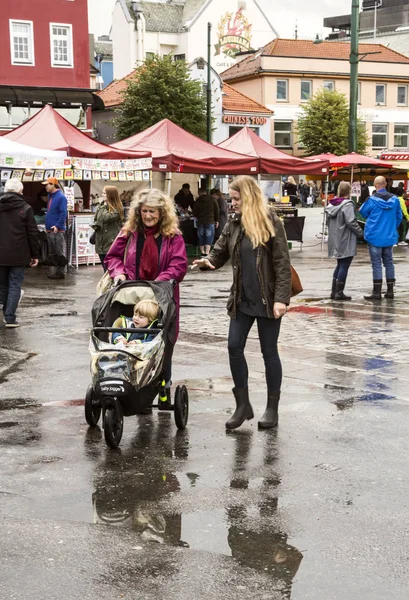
[[172, 264]]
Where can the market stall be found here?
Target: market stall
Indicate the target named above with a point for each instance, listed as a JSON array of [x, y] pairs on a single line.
[[81, 164], [271, 160], [274, 162], [175, 150]]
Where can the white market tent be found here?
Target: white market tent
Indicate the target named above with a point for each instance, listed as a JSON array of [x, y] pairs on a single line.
[[10, 148]]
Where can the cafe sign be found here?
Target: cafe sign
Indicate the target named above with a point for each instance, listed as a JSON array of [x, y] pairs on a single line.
[[233, 34]]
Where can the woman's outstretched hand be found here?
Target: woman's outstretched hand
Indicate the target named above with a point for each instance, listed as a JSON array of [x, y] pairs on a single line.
[[279, 309], [202, 263]]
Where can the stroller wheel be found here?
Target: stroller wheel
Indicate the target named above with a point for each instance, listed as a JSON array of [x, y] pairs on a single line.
[[113, 425], [181, 406], [92, 407]]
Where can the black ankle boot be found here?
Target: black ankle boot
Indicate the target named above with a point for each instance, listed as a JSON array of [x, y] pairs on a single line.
[[339, 291], [334, 281], [270, 417], [243, 411], [390, 283], [377, 290]]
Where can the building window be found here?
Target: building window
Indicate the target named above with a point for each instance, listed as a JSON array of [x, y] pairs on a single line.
[[282, 134], [306, 90], [61, 45], [22, 43], [282, 90], [402, 95], [329, 86], [180, 57], [233, 130], [149, 55], [379, 135], [401, 136], [380, 97]]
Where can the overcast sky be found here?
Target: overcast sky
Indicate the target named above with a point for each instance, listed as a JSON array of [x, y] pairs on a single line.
[[308, 14]]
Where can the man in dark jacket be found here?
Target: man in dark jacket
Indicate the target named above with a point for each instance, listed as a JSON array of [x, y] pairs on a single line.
[[206, 211], [18, 247], [56, 224], [184, 198]]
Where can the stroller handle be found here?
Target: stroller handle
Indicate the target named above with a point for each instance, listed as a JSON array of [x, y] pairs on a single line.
[[126, 330]]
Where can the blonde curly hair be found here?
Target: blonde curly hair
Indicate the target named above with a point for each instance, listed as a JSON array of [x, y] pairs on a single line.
[[168, 221]]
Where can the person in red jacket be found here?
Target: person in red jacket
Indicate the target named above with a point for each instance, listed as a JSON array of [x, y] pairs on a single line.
[[18, 247]]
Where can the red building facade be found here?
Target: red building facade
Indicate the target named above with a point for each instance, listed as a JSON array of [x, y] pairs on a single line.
[[44, 55], [44, 43]]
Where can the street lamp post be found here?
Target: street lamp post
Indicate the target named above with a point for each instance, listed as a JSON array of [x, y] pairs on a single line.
[[209, 82], [353, 96]]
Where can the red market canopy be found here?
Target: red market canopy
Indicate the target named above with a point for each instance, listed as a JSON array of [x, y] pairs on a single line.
[[49, 130], [351, 160], [177, 151], [272, 160], [355, 160]]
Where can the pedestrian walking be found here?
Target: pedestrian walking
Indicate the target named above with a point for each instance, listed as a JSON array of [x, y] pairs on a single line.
[[383, 216], [56, 225], [255, 241], [107, 221], [19, 247], [304, 191], [223, 211], [151, 248], [206, 211], [343, 233]]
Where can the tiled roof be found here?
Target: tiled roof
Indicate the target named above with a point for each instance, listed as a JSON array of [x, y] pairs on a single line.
[[161, 17], [104, 48], [307, 49], [234, 100], [111, 95]]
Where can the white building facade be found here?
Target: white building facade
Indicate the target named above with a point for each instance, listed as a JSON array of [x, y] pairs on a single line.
[[179, 27]]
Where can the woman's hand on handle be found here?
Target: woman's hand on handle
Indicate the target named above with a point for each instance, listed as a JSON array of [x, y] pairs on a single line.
[[119, 278], [202, 263], [279, 310]]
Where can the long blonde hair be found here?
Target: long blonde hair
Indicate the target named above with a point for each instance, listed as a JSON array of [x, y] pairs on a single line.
[[114, 201], [255, 217], [291, 180], [168, 221]]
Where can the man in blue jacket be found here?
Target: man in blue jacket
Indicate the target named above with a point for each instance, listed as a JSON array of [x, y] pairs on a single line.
[[56, 224], [384, 215]]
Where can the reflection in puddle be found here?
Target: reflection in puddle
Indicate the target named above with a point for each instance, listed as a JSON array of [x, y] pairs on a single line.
[[136, 490]]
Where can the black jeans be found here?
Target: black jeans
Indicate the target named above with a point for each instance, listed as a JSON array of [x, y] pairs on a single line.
[[268, 332], [11, 280], [341, 270]]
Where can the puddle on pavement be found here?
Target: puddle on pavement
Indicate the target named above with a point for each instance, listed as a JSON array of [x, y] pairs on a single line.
[[142, 489]]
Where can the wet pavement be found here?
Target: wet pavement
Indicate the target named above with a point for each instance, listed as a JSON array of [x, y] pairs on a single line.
[[316, 510]]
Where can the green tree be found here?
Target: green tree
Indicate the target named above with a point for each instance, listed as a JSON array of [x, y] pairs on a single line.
[[162, 88], [323, 125]]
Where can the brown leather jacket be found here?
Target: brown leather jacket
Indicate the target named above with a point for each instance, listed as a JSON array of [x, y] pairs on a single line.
[[273, 264]]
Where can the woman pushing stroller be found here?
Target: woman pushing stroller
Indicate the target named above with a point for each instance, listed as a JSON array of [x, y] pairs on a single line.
[[150, 247]]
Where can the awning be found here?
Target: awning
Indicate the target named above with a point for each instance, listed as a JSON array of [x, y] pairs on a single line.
[[58, 98]]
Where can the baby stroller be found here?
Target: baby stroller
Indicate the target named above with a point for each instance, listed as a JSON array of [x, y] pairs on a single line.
[[127, 379]]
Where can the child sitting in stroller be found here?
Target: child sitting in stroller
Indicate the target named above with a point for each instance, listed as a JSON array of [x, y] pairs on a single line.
[[145, 316]]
